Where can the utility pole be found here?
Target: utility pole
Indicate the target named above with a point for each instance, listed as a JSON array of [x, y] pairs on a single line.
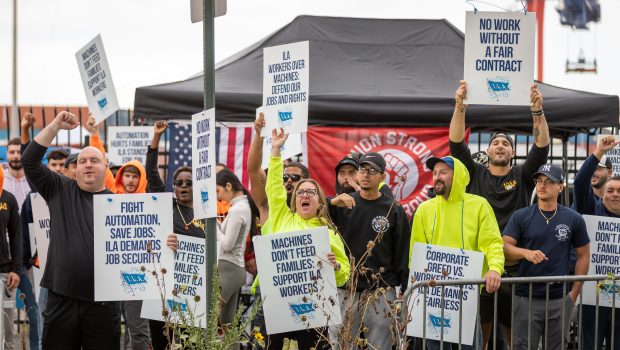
[[208, 18], [14, 118], [538, 6]]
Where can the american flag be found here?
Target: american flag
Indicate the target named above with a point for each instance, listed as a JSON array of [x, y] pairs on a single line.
[[232, 144]]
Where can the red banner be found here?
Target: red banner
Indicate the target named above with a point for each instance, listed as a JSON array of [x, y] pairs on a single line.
[[405, 151]]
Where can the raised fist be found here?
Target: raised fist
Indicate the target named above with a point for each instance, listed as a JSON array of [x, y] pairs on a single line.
[[396, 171]]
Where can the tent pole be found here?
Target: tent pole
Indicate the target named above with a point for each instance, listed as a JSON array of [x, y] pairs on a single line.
[[208, 14], [538, 6]]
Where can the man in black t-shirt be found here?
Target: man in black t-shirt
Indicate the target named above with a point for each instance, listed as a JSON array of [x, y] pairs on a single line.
[[72, 319], [376, 232], [542, 235], [506, 187]]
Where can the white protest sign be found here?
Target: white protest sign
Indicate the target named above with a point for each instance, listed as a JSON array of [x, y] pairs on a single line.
[[298, 284], [32, 239], [130, 243], [604, 235], [188, 306], [291, 148], [286, 87], [430, 262], [97, 79], [499, 57], [203, 164], [127, 143], [41, 227], [613, 154]]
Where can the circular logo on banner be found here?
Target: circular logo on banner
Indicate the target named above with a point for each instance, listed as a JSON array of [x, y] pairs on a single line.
[[405, 172], [401, 172]]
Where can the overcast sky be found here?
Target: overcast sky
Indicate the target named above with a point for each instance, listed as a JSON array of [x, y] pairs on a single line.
[[153, 41]]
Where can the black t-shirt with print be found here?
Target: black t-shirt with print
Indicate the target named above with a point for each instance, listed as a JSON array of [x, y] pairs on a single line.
[[505, 193], [362, 224]]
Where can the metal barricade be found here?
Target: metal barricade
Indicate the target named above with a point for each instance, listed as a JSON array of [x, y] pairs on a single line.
[[513, 281]]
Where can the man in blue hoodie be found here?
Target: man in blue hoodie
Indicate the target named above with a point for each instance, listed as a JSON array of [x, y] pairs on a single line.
[[587, 202]]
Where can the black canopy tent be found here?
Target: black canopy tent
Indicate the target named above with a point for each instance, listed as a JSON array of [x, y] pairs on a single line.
[[370, 72]]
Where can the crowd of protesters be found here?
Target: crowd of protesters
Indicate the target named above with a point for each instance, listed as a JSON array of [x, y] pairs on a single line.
[[487, 208]]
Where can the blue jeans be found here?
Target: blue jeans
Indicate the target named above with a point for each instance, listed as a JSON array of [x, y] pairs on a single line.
[[32, 309]]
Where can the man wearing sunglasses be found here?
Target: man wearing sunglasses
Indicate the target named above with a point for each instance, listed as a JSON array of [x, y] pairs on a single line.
[[371, 221], [293, 172], [541, 237]]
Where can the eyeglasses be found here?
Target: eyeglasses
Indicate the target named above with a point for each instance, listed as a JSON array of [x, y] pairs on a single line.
[[545, 181], [370, 171], [181, 182], [293, 177], [310, 193]]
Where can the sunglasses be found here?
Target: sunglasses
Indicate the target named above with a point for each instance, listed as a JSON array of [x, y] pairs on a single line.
[[181, 182], [293, 177], [371, 171]]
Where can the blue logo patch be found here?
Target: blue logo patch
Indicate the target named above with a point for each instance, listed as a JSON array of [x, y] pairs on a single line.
[[102, 102], [176, 305], [498, 87], [133, 280], [300, 309]]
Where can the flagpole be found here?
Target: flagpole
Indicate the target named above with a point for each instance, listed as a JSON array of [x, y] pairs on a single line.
[[14, 118], [208, 15]]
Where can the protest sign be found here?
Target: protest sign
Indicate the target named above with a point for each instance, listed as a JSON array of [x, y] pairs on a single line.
[[41, 227], [298, 284], [286, 87], [188, 304], [291, 148], [604, 235], [127, 143], [613, 154], [203, 164], [499, 57], [130, 244], [432, 262], [97, 79]]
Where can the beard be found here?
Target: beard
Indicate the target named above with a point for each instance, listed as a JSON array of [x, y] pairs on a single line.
[[289, 196], [440, 191], [345, 189], [16, 164], [600, 183], [498, 162]]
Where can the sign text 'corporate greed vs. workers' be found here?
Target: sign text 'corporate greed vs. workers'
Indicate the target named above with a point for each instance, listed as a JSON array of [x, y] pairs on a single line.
[[499, 57], [130, 237], [460, 307]]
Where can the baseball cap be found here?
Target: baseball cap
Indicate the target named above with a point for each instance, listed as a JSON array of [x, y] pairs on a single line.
[[504, 135], [346, 161], [553, 172], [374, 159], [71, 159], [431, 162], [605, 162]]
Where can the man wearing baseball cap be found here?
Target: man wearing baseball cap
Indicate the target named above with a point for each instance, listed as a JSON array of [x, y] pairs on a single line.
[[369, 215], [506, 187], [541, 236], [587, 201], [346, 173], [460, 220]]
